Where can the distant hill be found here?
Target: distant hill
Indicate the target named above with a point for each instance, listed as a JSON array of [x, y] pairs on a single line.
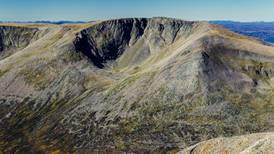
[[60, 22], [261, 30]]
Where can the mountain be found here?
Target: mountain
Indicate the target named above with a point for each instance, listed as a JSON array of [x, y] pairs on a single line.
[[132, 85], [260, 30]]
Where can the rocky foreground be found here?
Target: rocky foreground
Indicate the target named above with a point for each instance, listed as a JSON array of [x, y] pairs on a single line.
[[248, 144], [153, 85]]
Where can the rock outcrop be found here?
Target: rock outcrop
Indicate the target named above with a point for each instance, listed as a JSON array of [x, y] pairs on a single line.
[[247, 144], [107, 41], [14, 38]]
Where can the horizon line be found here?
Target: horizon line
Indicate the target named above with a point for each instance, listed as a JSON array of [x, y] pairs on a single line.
[[87, 21]]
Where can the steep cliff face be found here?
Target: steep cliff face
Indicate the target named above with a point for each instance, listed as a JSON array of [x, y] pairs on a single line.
[[133, 38], [108, 40], [134, 85], [14, 38]]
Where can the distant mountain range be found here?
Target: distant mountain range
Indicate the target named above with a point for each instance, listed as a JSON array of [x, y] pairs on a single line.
[[261, 30]]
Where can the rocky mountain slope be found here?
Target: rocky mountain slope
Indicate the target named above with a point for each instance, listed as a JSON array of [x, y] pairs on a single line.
[[14, 38], [131, 85], [248, 144]]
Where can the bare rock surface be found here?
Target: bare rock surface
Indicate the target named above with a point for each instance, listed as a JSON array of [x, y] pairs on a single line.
[[247, 144]]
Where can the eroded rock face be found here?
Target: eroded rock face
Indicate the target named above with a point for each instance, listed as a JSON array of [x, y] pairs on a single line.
[[13, 38], [134, 85], [108, 40], [248, 144]]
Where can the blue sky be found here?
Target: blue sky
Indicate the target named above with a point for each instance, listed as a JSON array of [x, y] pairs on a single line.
[[87, 10]]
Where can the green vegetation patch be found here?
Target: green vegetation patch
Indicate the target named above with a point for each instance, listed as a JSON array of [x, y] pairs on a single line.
[[3, 72]]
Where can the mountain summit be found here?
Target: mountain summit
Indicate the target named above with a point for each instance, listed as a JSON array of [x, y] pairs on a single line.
[[130, 85]]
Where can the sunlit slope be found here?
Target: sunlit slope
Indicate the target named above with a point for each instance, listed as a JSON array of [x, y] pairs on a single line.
[[248, 144]]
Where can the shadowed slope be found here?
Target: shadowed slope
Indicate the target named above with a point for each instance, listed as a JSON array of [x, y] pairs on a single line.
[[14, 38], [133, 38], [107, 40]]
